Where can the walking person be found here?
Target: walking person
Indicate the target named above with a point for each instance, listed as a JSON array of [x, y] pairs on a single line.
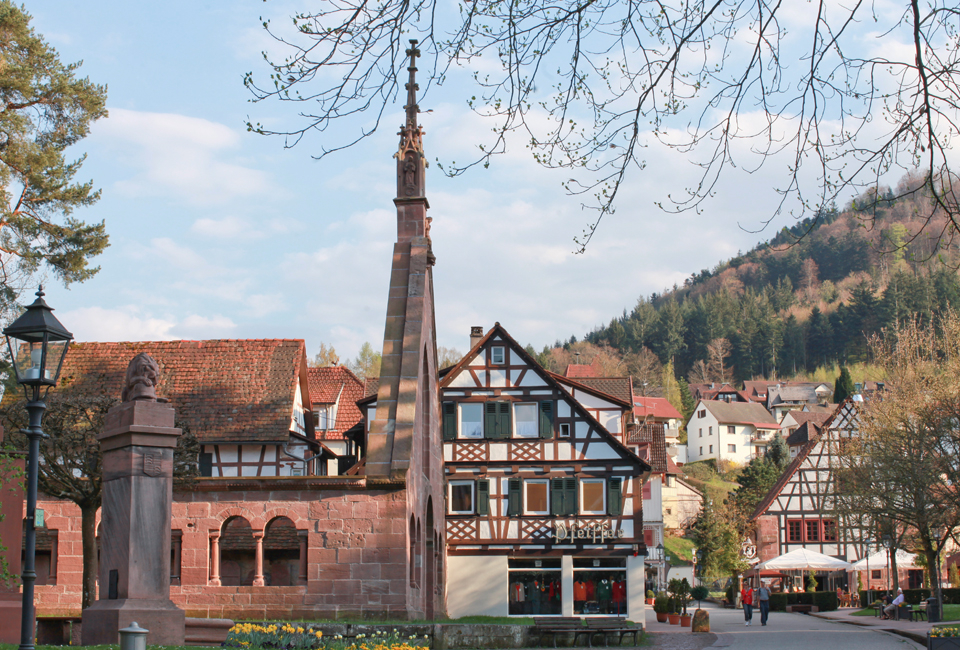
[[763, 597], [746, 597]]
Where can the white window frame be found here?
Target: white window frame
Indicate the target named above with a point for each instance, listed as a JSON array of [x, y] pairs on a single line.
[[323, 418], [546, 486], [536, 420], [502, 351], [731, 451], [473, 497], [564, 430], [462, 429], [603, 496]]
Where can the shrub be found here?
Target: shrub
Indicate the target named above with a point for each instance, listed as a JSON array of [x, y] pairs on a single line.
[[650, 593], [826, 601], [661, 604]]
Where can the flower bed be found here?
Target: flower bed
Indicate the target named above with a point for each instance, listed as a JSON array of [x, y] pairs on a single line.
[[296, 636]]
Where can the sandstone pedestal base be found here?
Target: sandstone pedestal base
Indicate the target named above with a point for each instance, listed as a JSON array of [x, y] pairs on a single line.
[[103, 620], [10, 609], [701, 621]]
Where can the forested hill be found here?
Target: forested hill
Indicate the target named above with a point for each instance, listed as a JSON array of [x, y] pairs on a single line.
[[792, 305]]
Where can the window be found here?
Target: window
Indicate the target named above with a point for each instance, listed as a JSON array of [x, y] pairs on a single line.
[[471, 420], [795, 531], [497, 420], [591, 497], [701, 451], [526, 419], [595, 578], [875, 574], [669, 480], [701, 432], [702, 413], [497, 354], [669, 511], [731, 429], [813, 530], [564, 430], [534, 581], [563, 496], [322, 415], [829, 530], [536, 498], [709, 431], [461, 497], [732, 449], [711, 449]]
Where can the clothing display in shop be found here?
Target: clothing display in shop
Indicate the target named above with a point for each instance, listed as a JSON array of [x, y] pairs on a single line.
[[597, 592], [535, 594]]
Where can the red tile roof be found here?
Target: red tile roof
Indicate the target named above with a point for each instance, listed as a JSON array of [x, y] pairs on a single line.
[[651, 436], [818, 417], [581, 370], [336, 385], [618, 389], [225, 390], [655, 407]]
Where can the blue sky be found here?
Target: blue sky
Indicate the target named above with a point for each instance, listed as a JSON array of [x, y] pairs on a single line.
[[219, 233]]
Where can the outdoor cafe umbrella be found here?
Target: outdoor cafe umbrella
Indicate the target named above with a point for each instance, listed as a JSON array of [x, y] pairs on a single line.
[[879, 560], [805, 560]]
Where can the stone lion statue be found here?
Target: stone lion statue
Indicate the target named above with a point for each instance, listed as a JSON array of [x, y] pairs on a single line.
[[143, 374]]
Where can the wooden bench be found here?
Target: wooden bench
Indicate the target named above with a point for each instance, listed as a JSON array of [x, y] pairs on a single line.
[[610, 625], [544, 625]]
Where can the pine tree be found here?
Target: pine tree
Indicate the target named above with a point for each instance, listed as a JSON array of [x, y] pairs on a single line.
[[46, 110], [778, 452], [843, 387]]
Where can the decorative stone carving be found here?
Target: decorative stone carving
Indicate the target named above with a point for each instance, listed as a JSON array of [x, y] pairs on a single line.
[[143, 374]]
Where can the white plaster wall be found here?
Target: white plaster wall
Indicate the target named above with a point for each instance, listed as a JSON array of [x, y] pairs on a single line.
[[478, 585], [636, 608]]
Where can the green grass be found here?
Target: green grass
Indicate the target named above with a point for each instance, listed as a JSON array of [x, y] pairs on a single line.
[[679, 549], [950, 612]]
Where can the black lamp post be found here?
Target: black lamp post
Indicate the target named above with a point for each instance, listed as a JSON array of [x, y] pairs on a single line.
[[37, 343], [662, 572]]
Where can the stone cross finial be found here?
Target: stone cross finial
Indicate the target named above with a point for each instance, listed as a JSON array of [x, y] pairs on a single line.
[[143, 374]]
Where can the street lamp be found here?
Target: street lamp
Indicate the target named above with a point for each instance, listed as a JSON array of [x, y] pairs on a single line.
[[37, 343], [888, 543], [937, 536], [661, 574]]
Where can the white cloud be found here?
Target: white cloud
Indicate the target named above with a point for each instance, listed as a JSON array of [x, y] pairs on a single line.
[[118, 324], [181, 157]]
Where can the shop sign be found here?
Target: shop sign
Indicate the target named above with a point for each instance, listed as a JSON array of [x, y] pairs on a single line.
[[575, 531], [748, 550]]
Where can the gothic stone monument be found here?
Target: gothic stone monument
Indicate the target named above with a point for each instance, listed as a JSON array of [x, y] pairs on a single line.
[[137, 443]]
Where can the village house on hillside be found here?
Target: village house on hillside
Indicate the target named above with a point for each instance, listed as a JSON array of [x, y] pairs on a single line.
[[544, 504], [732, 431]]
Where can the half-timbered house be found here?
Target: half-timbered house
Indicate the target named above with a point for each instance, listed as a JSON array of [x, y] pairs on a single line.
[[544, 504]]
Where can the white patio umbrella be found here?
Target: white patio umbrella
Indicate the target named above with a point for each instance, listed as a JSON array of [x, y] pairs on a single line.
[[879, 561], [805, 560]]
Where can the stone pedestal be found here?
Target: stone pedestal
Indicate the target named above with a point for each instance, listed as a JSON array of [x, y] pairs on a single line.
[[137, 443], [11, 534]]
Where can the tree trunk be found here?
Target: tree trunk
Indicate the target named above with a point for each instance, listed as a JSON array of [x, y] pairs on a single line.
[[893, 569], [88, 531]]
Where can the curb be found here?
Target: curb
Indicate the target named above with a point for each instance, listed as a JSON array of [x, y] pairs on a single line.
[[913, 636]]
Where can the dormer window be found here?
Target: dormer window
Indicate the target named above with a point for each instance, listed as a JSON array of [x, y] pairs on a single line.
[[322, 415], [498, 354]]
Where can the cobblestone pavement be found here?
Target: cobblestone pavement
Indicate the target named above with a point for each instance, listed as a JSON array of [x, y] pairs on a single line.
[[783, 632]]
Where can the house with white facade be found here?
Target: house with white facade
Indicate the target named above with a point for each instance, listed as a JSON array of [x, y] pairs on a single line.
[[734, 431]]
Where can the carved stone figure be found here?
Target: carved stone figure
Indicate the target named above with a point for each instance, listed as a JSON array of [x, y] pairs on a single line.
[[143, 374]]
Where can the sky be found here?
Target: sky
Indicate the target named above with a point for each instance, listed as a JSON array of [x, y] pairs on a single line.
[[218, 233]]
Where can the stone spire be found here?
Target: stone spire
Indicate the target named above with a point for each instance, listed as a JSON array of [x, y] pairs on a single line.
[[410, 160]]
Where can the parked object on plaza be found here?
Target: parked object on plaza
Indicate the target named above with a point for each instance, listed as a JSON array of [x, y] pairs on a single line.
[[701, 621], [137, 444]]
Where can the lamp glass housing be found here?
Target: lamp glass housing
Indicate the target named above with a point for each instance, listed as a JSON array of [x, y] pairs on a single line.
[[37, 343]]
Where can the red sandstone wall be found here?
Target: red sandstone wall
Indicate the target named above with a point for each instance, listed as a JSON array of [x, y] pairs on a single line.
[[768, 536], [62, 598]]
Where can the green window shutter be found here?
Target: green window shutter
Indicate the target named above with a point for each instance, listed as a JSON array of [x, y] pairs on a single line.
[[449, 420], [490, 420], [483, 496], [503, 419], [615, 496], [570, 496], [513, 497], [546, 419], [556, 496]]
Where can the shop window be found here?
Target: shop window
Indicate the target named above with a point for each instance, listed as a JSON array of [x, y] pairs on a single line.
[[829, 530], [498, 354], [461, 497], [281, 553], [795, 531], [592, 497], [812, 530], [599, 586], [534, 587], [536, 497], [526, 420], [471, 420]]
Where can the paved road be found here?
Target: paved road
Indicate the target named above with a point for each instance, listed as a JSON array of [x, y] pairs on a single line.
[[792, 632]]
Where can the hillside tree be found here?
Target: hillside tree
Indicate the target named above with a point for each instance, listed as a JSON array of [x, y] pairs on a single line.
[[46, 110], [326, 357], [589, 86]]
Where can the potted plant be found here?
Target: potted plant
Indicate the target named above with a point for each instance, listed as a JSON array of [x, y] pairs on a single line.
[[701, 617], [944, 638], [650, 596], [673, 615], [660, 606], [673, 588], [683, 596]]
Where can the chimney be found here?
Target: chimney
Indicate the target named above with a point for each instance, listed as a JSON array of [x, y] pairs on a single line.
[[476, 333]]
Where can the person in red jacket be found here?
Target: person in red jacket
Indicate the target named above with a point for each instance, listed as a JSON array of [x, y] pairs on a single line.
[[746, 597]]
